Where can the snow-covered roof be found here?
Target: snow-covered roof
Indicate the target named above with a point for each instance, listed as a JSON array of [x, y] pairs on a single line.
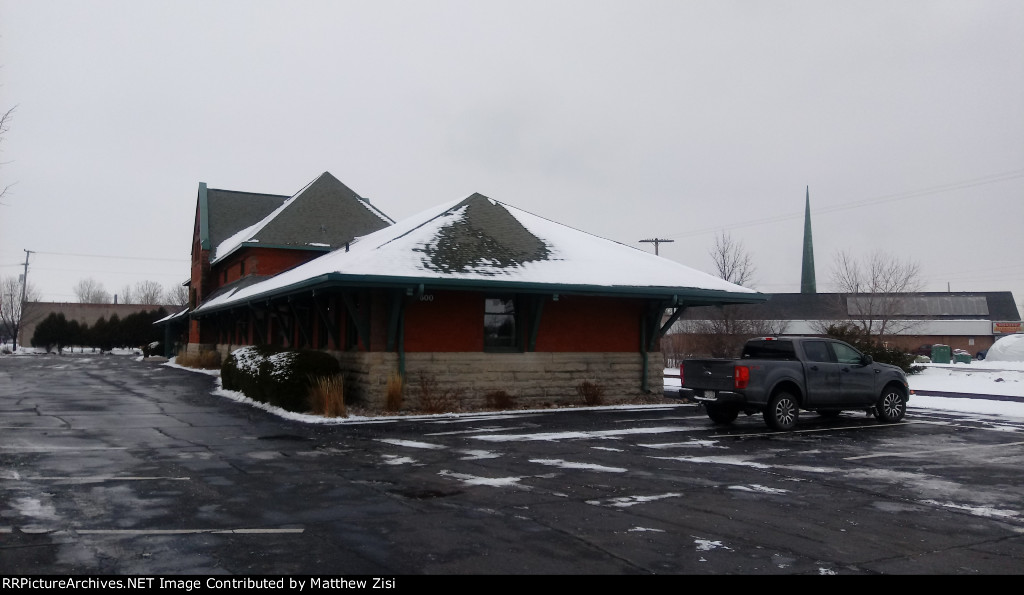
[[323, 215], [483, 243], [170, 317]]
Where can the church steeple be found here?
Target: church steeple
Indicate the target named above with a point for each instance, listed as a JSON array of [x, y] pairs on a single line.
[[807, 282]]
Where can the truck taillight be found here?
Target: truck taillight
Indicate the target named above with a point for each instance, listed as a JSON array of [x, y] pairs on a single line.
[[741, 377], [680, 374]]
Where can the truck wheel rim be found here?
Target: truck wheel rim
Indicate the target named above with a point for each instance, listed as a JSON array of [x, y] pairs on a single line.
[[784, 412], [892, 405]]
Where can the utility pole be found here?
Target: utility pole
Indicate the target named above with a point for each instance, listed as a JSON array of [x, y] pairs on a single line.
[[656, 241], [21, 309], [24, 279]]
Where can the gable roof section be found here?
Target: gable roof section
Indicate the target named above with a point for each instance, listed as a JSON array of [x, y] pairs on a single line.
[[479, 243], [324, 215], [223, 212]]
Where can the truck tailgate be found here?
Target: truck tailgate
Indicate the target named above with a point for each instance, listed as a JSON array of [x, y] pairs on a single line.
[[708, 374]]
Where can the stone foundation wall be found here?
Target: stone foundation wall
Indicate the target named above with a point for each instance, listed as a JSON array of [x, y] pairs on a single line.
[[469, 381], [475, 380]]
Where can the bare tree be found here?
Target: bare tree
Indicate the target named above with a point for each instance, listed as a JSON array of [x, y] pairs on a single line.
[[877, 289], [721, 331], [127, 295], [90, 291], [732, 260], [5, 124], [177, 295], [12, 307], [148, 292]]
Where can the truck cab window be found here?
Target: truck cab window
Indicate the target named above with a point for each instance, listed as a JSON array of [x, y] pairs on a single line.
[[846, 354], [817, 351]]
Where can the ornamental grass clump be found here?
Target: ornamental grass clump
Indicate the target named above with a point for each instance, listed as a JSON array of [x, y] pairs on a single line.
[[327, 396], [204, 360], [590, 392], [395, 388]]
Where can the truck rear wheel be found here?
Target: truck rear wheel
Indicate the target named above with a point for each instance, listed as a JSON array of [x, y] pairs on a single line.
[[721, 414], [782, 412]]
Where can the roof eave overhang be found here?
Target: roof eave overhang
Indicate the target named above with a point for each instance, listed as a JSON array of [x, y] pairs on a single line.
[[672, 296], [243, 245]]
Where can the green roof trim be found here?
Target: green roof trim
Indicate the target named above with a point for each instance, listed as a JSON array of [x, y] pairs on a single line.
[[312, 248], [680, 296], [204, 218]]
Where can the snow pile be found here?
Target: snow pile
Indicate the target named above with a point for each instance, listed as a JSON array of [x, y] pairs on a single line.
[[1007, 349]]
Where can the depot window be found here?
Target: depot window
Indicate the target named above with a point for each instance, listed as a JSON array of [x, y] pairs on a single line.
[[500, 323]]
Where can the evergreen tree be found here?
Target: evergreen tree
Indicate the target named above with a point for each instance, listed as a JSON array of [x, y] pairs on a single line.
[[115, 333], [868, 345], [99, 335]]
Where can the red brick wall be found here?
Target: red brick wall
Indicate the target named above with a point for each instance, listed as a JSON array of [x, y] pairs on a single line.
[[259, 261], [453, 321], [590, 324], [445, 321]]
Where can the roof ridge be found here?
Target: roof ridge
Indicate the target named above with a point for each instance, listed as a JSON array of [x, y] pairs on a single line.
[[441, 213]]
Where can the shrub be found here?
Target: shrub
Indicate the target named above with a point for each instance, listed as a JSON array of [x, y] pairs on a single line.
[[434, 400], [278, 377], [880, 353], [327, 396], [396, 385], [590, 392], [499, 399]]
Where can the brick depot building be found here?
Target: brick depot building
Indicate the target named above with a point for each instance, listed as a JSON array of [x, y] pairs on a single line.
[[475, 294]]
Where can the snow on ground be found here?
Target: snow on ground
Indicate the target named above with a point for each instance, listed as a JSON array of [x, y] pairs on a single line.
[[980, 377]]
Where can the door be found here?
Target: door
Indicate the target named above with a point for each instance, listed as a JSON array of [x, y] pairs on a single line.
[[822, 375], [856, 381]]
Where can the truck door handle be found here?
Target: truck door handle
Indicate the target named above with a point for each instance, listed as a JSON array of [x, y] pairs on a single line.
[[815, 368]]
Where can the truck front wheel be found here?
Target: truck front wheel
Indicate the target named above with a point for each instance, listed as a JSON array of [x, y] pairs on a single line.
[[721, 414], [782, 412], [891, 406]]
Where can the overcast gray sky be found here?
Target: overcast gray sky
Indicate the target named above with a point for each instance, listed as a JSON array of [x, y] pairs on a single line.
[[627, 119]]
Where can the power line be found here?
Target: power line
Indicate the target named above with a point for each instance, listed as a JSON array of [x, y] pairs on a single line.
[[95, 272], [113, 256], [980, 181]]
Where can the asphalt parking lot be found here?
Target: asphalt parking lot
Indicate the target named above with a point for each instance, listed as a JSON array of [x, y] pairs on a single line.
[[115, 466]]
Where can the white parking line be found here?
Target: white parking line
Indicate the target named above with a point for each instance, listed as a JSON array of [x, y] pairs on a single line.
[[933, 450], [805, 431], [95, 478], [185, 531], [60, 448]]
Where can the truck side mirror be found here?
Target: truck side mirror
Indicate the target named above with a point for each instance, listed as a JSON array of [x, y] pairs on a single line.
[[866, 360]]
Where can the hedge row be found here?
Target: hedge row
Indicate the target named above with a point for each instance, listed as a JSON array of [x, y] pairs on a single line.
[[276, 376]]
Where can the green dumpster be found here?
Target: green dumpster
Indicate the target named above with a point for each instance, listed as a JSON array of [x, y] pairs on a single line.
[[941, 354], [962, 358]]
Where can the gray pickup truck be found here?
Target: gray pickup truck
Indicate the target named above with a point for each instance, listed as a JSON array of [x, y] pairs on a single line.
[[780, 376]]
